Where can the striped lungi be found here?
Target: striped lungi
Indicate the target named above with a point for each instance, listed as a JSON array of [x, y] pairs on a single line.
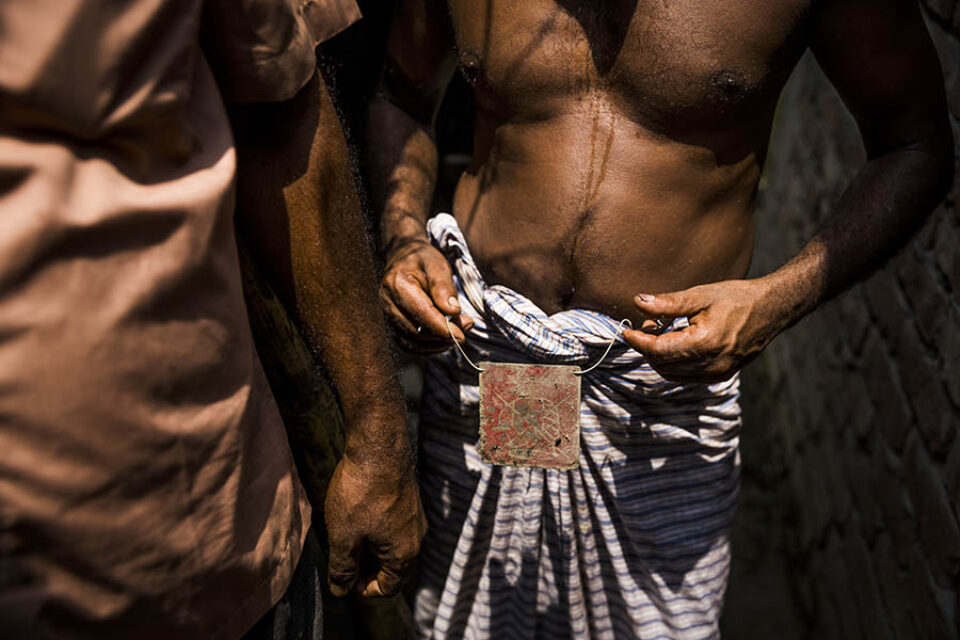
[[632, 544]]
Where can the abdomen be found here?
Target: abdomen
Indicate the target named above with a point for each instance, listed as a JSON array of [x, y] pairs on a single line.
[[589, 208]]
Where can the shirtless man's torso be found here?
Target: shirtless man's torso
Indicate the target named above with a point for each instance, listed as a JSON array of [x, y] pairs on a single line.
[[618, 145], [617, 152], [618, 148]]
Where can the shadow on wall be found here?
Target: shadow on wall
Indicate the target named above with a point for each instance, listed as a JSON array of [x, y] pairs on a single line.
[[848, 524]]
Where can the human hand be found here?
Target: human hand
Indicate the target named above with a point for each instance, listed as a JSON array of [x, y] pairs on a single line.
[[373, 512], [731, 322], [417, 292]]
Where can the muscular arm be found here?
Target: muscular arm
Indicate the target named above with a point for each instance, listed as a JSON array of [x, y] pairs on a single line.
[[402, 155], [891, 82], [300, 216], [879, 57], [402, 168]]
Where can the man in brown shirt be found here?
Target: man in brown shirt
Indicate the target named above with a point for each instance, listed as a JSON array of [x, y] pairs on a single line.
[[146, 484]]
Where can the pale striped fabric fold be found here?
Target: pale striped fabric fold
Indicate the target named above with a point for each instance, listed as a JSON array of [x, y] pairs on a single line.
[[632, 544]]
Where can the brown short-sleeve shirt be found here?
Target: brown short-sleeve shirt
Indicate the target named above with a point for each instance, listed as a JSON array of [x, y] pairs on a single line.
[[146, 484]]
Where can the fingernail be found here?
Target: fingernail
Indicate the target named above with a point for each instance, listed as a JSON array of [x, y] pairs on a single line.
[[452, 300], [645, 297]]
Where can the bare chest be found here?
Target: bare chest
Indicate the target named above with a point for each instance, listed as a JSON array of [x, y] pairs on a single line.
[[659, 61]]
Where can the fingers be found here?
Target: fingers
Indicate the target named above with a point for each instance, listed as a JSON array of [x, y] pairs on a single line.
[[411, 336], [385, 583], [394, 561], [418, 293], [343, 567], [396, 556], [397, 317], [678, 303], [419, 308], [651, 325], [421, 341], [464, 321], [685, 356], [421, 345], [668, 347], [440, 285]]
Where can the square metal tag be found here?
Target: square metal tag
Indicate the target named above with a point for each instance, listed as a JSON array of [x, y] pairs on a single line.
[[530, 415]]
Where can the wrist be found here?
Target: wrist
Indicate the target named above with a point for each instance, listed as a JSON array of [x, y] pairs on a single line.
[[389, 465], [380, 435], [372, 404], [410, 229], [783, 300], [404, 246]]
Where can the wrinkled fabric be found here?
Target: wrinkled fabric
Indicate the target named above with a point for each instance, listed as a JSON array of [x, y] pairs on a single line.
[[146, 485], [263, 49], [633, 543], [299, 614]]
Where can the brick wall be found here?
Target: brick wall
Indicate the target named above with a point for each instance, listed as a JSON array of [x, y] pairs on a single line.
[[849, 516]]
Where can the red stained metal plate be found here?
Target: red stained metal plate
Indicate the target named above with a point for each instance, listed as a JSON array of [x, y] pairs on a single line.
[[530, 415]]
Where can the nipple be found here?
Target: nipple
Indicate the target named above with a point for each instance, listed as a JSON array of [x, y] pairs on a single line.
[[729, 84], [470, 65]]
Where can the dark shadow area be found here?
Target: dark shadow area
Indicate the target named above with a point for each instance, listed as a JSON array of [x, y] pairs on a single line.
[[351, 64], [761, 601], [605, 24]]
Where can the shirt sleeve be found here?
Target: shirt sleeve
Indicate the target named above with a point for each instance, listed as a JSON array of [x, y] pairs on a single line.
[[263, 50]]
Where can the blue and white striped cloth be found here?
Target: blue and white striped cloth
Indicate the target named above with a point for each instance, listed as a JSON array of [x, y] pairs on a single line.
[[632, 544]]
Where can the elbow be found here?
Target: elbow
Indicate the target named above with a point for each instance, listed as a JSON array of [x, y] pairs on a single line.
[[396, 92], [924, 151], [939, 147], [932, 165]]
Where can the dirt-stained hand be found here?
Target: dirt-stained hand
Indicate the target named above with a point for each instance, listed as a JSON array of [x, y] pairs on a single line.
[[375, 524], [417, 292], [731, 322]]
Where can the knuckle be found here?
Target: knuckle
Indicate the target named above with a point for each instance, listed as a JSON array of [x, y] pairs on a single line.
[[388, 305], [406, 279], [429, 253], [389, 585], [341, 574], [437, 269], [702, 332], [708, 341], [395, 268]]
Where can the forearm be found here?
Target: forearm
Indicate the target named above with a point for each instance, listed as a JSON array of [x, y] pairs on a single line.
[[402, 170], [299, 213], [882, 208]]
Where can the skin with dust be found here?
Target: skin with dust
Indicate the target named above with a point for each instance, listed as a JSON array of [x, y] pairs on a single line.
[[618, 149]]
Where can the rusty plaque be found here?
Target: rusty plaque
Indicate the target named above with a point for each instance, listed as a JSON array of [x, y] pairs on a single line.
[[530, 415]]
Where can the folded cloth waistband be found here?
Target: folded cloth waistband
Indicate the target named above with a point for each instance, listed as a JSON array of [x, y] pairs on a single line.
[[572, 336]]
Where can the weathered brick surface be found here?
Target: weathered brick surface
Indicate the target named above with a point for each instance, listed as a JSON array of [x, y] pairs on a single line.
[[860, 402], [939, 533]]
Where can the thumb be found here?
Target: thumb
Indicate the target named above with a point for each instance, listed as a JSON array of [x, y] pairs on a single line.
[[678, 303], [440, 284], [386, 583]]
